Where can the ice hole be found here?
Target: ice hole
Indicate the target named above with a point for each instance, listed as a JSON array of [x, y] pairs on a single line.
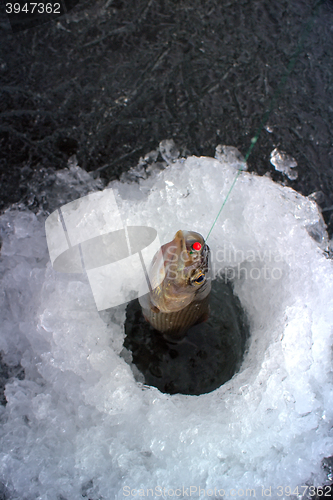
[[205, 358], [80, 422]]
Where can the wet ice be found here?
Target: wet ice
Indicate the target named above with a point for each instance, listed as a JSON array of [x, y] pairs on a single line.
[[284, 163]]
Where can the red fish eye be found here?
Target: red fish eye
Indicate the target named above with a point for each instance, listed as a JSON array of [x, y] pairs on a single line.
[[196, 246]]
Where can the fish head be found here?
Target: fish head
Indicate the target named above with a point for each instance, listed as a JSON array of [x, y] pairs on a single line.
[[184, 262]]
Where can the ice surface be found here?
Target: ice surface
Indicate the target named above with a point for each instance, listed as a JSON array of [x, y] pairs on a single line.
[[284, 163], [80, 425]]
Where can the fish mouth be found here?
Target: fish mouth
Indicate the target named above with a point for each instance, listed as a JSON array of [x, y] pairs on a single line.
[[174, 250]]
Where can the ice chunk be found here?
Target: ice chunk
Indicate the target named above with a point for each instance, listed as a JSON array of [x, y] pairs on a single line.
[[230, 156], [48, 190], [284, 163], [318, 232], [168, 150], [145, 167], [318, 197]]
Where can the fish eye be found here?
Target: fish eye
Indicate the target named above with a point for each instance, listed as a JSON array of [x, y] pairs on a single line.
[[197, 280]]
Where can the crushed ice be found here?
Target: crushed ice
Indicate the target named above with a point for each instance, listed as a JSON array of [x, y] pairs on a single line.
[[284, 163], [79, 424], [231, 157]]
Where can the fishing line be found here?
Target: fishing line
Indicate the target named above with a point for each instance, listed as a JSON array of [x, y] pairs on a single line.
[[276, 95]]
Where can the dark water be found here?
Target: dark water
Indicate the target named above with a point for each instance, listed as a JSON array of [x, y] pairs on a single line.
[[110, 79], [7, 372], [207, 357]]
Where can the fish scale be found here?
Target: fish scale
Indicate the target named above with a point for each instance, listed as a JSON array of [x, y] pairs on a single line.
[[175, 323]]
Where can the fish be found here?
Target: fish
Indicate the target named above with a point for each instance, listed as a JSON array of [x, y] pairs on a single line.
[[180, 285]]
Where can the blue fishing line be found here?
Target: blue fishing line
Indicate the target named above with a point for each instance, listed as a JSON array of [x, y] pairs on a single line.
[[276, 95]]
